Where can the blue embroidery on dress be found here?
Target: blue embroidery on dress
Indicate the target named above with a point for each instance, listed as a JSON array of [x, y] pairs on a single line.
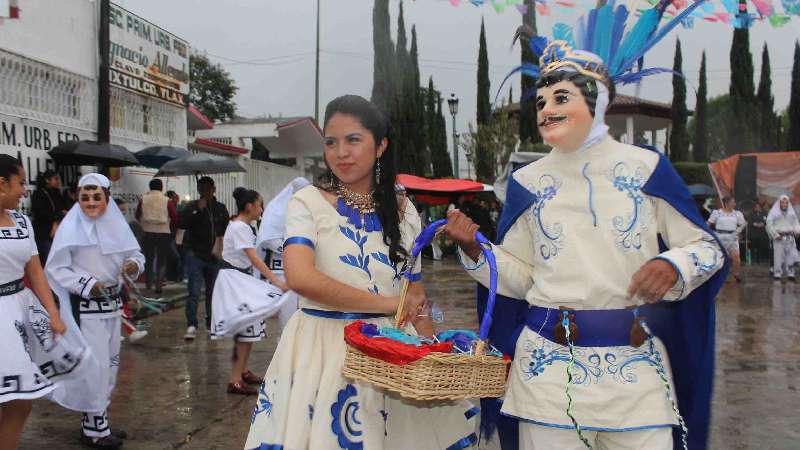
[[361, 261], [541, 356], [622, 366], [263, 405], [310, 412], [550, 240], [398, 269], [591, 201], [345, 424], [629, 230]]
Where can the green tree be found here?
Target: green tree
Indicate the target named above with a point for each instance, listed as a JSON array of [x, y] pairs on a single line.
[[383, 56], [484, 107], [742, 91], [678, 138], [700, 144], [400, 106], [768, 121], [212, 89], [793, 129], [528, 132]]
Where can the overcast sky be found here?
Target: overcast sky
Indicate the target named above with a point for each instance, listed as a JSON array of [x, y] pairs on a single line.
[[274, 40]]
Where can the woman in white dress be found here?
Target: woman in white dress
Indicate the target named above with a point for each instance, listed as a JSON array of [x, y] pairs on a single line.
[[241, 301], [728, 224], [28, 317], [345, 254], [782, 228]]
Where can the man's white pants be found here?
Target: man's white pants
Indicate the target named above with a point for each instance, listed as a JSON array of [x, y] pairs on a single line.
[[103, 336], [784, 256], [538, 437]]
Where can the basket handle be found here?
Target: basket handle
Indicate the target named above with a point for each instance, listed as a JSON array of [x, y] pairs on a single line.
[[423, 240]]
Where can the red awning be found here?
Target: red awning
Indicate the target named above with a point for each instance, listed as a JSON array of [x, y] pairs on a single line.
[[219, 147], [444, 185]]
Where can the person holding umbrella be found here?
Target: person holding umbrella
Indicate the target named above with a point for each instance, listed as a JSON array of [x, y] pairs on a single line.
[[48, 208], [204, 221]]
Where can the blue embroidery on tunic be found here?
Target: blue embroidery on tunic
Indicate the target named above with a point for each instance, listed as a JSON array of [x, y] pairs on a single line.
[[310, 412], [591, 201], [541, 356], [629, 231], [345, 424], [590, 367], [263, 405], [708, 260], [550, 235]]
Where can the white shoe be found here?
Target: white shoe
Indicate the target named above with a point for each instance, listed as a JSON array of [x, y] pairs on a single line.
[[191, 333], [137, 335]]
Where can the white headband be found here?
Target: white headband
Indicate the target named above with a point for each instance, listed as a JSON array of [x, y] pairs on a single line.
[[94, 179]]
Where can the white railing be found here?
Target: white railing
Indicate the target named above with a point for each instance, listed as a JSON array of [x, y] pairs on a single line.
[[266, 178], [39, 91]]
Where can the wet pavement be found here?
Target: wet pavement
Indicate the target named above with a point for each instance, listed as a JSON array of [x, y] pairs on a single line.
[[171, 394]]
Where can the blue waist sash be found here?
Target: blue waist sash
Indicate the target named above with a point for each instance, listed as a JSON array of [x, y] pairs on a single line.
[[596, 327], [342, 315]]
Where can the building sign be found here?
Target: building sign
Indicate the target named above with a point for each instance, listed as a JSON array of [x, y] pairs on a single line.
[[35, 135], [147, 59]]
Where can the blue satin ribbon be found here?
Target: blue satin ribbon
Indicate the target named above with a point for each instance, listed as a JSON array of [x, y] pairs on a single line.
[[298, 240], [342, 315]]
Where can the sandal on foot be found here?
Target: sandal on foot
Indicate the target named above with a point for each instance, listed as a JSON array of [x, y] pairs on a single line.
[[241, 389], [251, 378]]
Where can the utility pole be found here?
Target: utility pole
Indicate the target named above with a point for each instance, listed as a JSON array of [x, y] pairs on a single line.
[[316, 80], [103, 82]]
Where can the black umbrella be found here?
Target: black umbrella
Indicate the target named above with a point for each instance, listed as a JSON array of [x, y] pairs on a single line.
[[702, 190], [156, 156], [197, 164], [92, 153]]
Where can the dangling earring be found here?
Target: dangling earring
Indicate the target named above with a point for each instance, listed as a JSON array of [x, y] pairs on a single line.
[[378, 172]]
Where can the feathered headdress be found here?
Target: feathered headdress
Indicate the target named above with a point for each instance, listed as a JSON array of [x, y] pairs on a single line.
[[599, 46]]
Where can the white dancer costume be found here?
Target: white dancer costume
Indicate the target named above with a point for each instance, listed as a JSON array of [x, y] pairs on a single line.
[[728, 226], [578, 247], [269, 242], [305, 403], [32, 357], [241, 301], [87, 251], [782, 227]]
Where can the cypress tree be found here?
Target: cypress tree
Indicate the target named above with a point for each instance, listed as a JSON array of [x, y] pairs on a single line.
[[768, 121], [793, 134], [700, 145], [383, 56], [416, 113], [442, 164], [484, 108], [678, 138], [528, 132], [399, 114], [742, 91]]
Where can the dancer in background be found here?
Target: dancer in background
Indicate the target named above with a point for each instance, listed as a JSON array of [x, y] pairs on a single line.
[[782, 227], [728, 223], [269, 242], [241, 301], [93, 248]]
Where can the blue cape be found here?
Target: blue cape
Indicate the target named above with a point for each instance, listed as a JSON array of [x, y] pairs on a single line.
[[686, 327]]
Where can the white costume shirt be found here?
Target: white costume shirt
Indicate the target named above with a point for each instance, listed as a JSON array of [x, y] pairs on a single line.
[[727, 222], [238, 237], [590, 230]]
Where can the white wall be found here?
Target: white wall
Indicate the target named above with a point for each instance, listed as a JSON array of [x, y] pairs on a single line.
[[62, 33]]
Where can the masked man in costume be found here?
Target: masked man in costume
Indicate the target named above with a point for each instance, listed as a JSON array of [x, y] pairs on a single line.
[[606, 269], [782, 227], [92, 250]]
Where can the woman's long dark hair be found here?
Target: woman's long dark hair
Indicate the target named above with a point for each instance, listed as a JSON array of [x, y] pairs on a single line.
[[375, 121]]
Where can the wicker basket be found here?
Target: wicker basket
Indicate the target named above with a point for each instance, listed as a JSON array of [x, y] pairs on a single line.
[[437, 376]]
